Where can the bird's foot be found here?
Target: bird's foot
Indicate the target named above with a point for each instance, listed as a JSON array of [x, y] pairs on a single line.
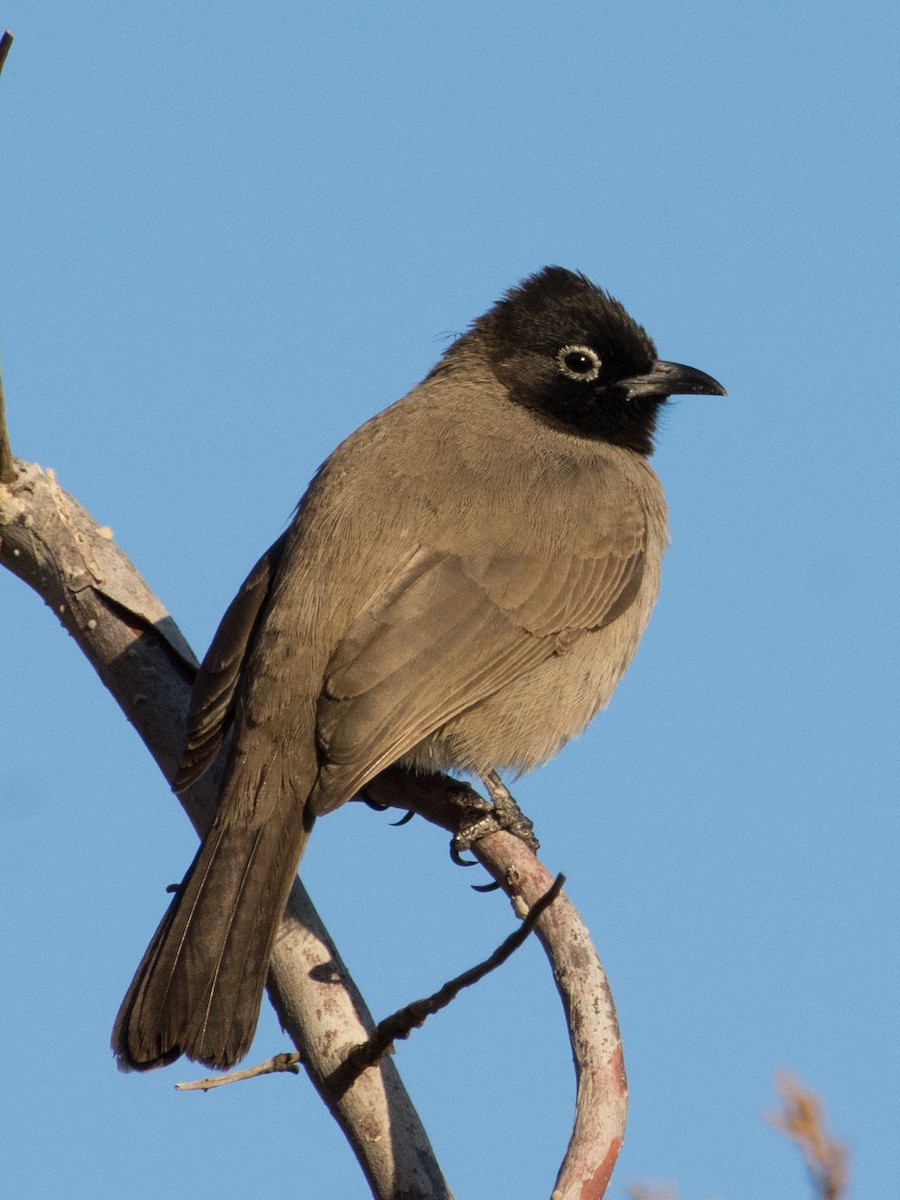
[[505, 815]]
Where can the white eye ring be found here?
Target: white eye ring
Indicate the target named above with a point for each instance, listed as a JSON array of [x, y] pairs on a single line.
[[579, 362]]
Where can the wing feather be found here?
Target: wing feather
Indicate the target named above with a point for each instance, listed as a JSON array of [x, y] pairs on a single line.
[[212, 700], [447, 632]]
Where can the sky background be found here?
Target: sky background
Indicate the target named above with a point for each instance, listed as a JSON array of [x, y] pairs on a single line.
[[230, 233]]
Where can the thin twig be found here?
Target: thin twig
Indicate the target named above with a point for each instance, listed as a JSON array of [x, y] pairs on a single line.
[[8, 473], [7, 465], [399, 1025], [289, 1061]]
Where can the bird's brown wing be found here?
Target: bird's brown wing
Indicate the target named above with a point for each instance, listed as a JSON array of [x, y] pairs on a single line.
[[212, 700], [446, 632]]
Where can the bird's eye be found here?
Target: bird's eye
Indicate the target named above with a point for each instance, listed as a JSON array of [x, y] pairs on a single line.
[[579, 362]]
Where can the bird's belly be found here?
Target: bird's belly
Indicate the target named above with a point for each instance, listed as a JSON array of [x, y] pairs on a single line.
[[529, 720]]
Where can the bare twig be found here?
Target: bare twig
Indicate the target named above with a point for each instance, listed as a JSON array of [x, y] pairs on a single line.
[[7, 462], [278, 1063], [802, 1122], [400, 1024], [7, 465]]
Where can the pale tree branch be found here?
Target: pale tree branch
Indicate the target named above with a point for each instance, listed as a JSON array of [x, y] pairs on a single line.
[[602, 1093], [51, 543]]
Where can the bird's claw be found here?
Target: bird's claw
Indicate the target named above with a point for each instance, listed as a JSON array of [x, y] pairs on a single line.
[[378, 807], [456, 855], [505, 815]]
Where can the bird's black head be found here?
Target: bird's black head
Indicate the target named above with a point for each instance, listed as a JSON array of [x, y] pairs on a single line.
[[572, 354]]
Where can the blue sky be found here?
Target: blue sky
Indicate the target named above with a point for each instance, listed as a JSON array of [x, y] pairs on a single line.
[[232, 232]]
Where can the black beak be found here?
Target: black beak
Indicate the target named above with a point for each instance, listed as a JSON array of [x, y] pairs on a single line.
[[672, 379]]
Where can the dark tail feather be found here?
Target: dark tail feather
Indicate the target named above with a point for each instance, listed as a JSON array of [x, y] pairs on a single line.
[[199, 986]]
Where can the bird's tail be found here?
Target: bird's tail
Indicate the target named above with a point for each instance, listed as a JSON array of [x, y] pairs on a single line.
[[199, 986]]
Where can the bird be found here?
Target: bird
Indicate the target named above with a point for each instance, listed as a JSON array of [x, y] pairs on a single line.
[[461, 588]]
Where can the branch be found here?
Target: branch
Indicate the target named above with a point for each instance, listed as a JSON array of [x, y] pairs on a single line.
[[602, 1090], [400, 1024], [7, 466], [52, 544], [275, 1065]]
